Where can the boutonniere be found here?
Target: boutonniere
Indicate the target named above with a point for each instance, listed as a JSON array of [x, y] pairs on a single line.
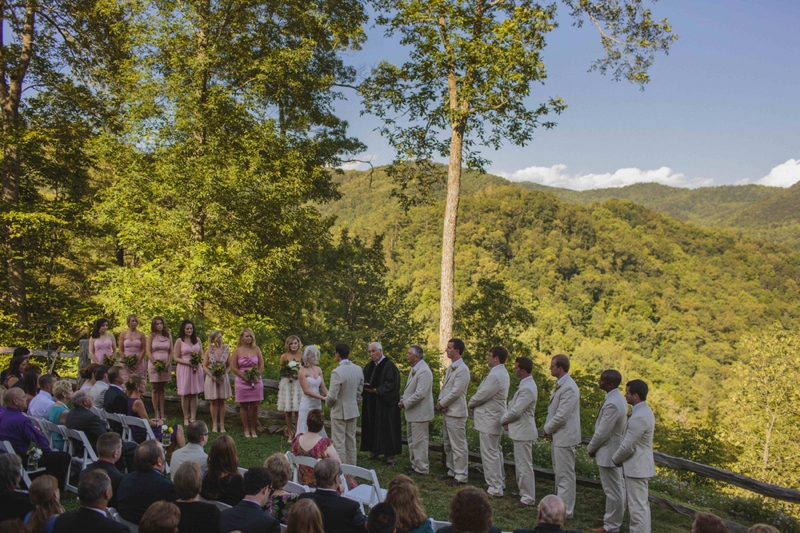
[[558, 386], [413, 372]]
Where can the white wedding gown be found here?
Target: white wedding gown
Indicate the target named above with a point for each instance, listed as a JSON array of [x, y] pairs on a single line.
[[307, 403]]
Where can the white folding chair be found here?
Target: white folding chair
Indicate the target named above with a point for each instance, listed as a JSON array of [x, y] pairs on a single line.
[[99, 411], [242, 471], [80, 459], [133, 527], [48, 429], [135, 421], [220, 505], [120, 419], [296, 461], [438, 524], [368, 495], [295, 488]]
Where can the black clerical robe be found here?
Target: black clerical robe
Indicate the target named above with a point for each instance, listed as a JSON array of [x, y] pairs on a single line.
[[380, 415]]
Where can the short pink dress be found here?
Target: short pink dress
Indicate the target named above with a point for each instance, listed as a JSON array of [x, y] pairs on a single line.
[[159, 350], [102, 349], [133, 347], [244, 391], [214, 390], [190, 380]]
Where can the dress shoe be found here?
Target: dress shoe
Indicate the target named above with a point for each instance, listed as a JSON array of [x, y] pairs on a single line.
[[599, 530], [520, 505], [412, 472], [372, 456], [391, 461], [489, 494], [444, 477], [454, 483]]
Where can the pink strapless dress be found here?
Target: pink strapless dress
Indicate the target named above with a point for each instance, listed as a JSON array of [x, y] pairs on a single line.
[[159, 350], [133, 347], [102, 349], [190, 380], [244, 391]]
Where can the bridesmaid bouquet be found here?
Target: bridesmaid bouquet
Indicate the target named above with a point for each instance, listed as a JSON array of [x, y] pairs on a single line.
[[159, 366], [252, 376], [195, 359], [218, 372], [109, 361], [289, 369], [130, 361]]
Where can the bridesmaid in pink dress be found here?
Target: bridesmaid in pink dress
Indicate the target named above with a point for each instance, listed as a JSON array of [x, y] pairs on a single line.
[[249, 392], [188, 376], [159, 348], [132, 343], [102, 343], [217, 389]]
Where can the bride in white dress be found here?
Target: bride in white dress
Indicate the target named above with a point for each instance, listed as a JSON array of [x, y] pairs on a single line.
[[313, 385]]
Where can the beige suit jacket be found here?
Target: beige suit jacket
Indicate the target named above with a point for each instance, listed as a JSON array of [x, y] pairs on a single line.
[[489, 402], [347, 381], [636, 451], [521, 411], [564, 414], [609, 428], [418, 394], [453, 395]]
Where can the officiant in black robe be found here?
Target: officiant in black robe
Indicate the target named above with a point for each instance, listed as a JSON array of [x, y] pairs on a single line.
[[380, 415]]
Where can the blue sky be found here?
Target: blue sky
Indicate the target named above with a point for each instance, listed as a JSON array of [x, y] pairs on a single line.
[[722, 108]]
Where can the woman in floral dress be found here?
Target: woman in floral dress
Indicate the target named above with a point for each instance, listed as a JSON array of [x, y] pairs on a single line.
[[289, 391], [217, 387]]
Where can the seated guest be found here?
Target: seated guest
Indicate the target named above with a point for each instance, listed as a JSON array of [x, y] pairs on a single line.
[[30, 381], [12, 376], [94, 491], [470, 512], [222, 481], [313, 444], [161, 517], [62, 393], [115, 400], [403, 495], [109, 451], [45, 496], [339, 515], [305, 518], [16, 503], [550, 517], [16, 428], [280, 502], [763, 528], [382, 519], [87, 377], [146, 484], [196, 516], [135, 387], [39, 406], [100, 386], [708, 523], [197, 435], [248, 516], [82, 419]]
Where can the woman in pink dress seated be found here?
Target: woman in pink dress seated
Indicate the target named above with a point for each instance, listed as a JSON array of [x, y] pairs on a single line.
[[248, 364], [188, 356], [132, 343], [312, 444], [159, 348]]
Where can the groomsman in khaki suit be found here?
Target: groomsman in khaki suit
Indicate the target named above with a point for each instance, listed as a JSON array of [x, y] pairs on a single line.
[[347, 381], [488, 405], [563, 426], [635, 455], [417, 401], [521, 426], [609, 427], [452, 404]]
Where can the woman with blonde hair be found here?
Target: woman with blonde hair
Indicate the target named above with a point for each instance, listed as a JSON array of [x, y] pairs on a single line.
[[160, 517], [45, 496], [62, 394], [289, 391], [248, 365], [280, 502], [403, 495], [132, 345], [304, 517], [763, 528], [313, 384], [159, 357], [217, 387]]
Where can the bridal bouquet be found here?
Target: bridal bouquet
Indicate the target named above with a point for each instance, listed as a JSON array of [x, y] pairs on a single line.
[[289, 369], [195, 359], [159, 366], [252, 376], [130, 361]]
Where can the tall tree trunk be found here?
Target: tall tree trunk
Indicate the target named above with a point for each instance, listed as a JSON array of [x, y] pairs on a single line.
[[447, 297]]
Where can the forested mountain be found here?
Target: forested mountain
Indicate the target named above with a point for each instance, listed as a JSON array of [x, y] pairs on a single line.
[[614, 284]]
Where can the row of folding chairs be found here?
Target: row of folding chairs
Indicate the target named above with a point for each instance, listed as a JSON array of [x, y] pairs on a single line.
[[127, 423]]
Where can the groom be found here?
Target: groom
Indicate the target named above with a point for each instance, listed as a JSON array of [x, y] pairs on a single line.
[[347, 381]]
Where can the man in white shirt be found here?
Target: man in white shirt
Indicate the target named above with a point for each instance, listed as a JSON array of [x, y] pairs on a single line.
[[101, 385], [39, 406], [488, 405], [453, 406], [197, 437], [520, 423], [417, 401]]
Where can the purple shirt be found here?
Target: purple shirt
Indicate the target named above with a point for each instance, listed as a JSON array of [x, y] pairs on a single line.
[[19, 431]]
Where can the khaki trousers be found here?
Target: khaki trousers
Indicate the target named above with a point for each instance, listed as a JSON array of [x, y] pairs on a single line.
[[417, 433], [343, 435], [638, 506], [492, 458], [454, 437], [614, 488], [526, 480], [564, 468]]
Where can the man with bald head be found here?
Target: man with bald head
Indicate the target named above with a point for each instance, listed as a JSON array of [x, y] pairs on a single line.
[[551, 515], [380, 416]]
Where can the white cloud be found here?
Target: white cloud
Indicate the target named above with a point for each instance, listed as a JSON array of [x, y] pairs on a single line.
[[361, 164], [784, 175], [556, 176]]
